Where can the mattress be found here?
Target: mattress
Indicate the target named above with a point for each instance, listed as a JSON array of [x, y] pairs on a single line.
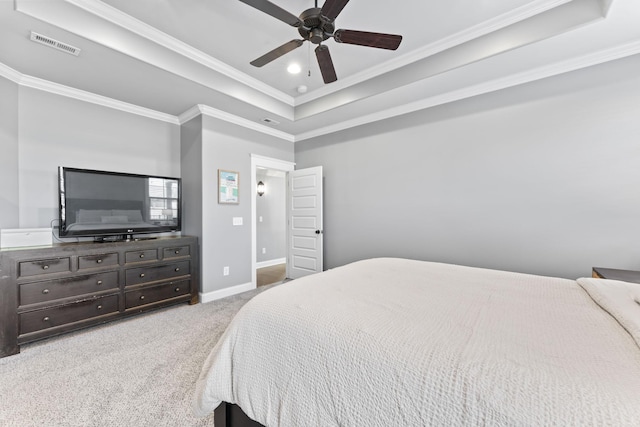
[[397, 342]]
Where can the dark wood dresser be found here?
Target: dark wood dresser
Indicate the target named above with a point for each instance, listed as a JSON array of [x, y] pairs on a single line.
[[47, 291]]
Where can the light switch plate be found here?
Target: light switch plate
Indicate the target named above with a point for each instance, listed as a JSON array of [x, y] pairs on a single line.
[[237, 220]]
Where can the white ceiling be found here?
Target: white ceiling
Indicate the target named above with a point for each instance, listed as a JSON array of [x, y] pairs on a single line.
[[171, 59]]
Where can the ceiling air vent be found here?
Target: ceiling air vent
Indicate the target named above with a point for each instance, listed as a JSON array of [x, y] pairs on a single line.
[[48, 41]]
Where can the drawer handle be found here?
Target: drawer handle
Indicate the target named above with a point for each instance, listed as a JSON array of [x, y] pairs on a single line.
[[178, 251], [45, 291], [99, 261], [177, 268], [45, 267], [99, 282], [45, 319], [177, 289], [99, 307], [141, 255], [141, 296], [141, 274]]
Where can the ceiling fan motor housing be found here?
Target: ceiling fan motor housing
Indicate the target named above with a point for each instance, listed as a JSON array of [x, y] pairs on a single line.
[[315, 28]]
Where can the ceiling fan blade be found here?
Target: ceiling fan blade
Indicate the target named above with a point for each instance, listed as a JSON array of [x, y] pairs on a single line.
[[275, 11], [276, 53], [364, 38], [326, 64], [332, 8]]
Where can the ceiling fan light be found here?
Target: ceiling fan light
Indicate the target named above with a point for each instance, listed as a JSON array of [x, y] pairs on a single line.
[[294, 68]]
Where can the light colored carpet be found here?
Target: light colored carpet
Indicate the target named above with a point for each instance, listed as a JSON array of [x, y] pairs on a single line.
[[135, 372]]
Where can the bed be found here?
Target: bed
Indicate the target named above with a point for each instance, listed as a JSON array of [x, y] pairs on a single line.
[[397, 342]]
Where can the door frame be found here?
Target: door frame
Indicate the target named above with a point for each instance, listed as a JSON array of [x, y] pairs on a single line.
[[269, 163]]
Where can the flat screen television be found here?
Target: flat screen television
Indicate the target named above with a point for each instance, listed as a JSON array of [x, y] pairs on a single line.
[[100, 204]]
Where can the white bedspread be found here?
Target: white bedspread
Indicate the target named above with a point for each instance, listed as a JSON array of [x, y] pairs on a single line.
[[394, 342]]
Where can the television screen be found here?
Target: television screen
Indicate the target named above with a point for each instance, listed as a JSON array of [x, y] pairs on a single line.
[[100, 203]]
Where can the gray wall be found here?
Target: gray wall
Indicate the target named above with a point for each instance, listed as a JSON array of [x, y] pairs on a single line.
[[41, 131], [59, 131], [9, 214], [229, 147], [542, 178], [191, 167], [271, 232]]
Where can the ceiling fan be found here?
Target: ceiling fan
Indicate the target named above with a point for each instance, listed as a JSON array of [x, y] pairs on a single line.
[[317, 25]]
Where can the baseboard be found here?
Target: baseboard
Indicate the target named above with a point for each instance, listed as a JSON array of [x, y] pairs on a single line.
[[226, 292], [270, 262]]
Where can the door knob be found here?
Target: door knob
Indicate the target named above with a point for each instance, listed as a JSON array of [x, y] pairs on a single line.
[[317, 231]]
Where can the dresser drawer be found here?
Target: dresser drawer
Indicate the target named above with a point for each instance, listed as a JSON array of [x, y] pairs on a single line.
[[175, 252], [99, 260], [44, 266], [134, 276], [57, 316], [31, 293], [139, 256], [157, 293]]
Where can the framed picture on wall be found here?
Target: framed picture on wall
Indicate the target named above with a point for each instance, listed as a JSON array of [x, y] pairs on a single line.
[[228, 187]]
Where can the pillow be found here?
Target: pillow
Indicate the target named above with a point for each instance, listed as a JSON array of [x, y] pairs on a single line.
[[132, 215], [620, 299], [115, 219], [91, 215]]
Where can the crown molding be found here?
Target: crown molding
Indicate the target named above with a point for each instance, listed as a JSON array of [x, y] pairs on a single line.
[[191, 113], [9, 73], [237, 120], [81, 95], [70, 92], [141, 29], [561, 67], [471, 33]]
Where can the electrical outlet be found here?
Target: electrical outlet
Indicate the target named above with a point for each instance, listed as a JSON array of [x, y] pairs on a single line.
[[225, 271], [264, 250]]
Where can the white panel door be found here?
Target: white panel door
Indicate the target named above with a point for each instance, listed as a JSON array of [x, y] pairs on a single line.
[[304, 222]]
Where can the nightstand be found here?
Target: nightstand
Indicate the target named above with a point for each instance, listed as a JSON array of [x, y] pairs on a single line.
[[613, 274]]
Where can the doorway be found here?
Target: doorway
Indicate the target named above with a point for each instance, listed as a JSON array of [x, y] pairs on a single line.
[[272, 169], [271, 239]]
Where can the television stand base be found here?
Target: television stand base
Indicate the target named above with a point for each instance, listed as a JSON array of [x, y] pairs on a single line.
[[119, 238]]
